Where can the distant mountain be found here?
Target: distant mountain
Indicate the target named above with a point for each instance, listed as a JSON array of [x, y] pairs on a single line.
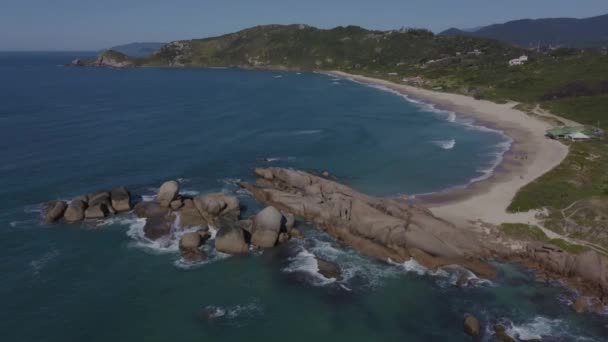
[[565, 32], [138, 49]]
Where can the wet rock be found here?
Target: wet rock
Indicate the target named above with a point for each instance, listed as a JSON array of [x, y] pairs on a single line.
[[245, 225], [167, 193], [290, 221], [98, 198], [75, 211], [283, 237], [266, 227], [581, 305], [472, 326], [500, 334], [329, 269], [189, 247], [97, 211], [158, 226], [231, 240], [121, 199], [296, 233], [150, 209], [54, 211], [217, 204], [176, 204]]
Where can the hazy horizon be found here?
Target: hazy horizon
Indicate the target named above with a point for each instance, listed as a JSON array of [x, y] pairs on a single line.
[[68, 25]]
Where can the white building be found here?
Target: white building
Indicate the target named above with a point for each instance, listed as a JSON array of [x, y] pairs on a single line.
[[518, 61]]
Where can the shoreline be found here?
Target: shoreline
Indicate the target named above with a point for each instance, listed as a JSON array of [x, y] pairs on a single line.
[[529, 156]]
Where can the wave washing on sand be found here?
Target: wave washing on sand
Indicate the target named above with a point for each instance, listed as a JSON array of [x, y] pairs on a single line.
[[445, 144], [451, 116]]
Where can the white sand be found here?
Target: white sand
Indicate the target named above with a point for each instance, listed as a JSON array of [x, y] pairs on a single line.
[[531, 155]]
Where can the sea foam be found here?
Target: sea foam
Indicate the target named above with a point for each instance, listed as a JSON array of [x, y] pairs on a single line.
[[445, 144]]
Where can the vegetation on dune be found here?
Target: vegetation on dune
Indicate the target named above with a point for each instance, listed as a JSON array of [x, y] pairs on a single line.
[[528, 232]]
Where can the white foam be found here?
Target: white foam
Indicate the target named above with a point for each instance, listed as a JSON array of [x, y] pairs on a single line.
[[306, 262], [40, 263], [307, 132], [188, 192], [148, 198], [278, 76], [276, 159], [445, 144], [535, 329]]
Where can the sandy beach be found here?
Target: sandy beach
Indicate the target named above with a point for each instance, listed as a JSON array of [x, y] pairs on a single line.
[[530, 156]]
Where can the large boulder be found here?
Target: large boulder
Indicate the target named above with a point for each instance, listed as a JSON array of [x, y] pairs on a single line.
[[217, 204], [98, 198], [266, 227], [150, 209], [97, 211], [54, 211], [157, 227], [75, 211], [500, 334], [190, 216], [189, 247], [231, 240], [167, 193], [472, 326], [121, 199]]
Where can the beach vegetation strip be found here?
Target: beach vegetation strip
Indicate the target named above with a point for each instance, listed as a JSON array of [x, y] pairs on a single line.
[[528, 232]]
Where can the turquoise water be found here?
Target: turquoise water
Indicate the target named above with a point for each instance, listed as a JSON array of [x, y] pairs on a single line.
[[69, 131]]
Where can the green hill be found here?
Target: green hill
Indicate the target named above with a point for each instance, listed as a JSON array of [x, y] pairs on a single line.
[[564, 32]]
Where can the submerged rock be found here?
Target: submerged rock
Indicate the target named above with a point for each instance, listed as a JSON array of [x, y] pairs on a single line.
[[329, 269], [500, 334], [54, 211], [266, 227]]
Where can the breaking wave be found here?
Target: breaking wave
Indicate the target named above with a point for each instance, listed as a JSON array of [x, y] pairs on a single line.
[[445, 144], [542, 328]]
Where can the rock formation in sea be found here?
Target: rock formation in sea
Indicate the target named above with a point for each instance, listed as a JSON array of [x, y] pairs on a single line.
[[384, 228]]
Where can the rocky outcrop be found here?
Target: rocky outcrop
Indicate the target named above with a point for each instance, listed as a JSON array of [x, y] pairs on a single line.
[[97, 211], [214, 205], [266, 227], [500, 334], [167, 193], [113, 59], [382, 228], [54, 211]]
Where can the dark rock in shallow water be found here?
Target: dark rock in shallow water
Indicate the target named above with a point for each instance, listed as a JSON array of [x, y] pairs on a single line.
[[500, 334], [216, 205], [158, 226], [75, 211], [189, 247], [328, 269], [54, 211], [472, 326], [121, 199]]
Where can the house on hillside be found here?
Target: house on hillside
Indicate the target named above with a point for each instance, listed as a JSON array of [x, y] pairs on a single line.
[[518, 61], [577, 133]]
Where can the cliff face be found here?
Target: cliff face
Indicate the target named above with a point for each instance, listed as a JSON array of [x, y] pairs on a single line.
[[109, 58]]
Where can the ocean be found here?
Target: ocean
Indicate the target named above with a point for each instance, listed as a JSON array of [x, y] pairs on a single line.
[[68, 131]]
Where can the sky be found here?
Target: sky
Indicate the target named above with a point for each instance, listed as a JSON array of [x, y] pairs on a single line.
[[94, 25]]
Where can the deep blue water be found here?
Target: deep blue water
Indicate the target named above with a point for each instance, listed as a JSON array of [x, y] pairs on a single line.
[[69, 131]]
